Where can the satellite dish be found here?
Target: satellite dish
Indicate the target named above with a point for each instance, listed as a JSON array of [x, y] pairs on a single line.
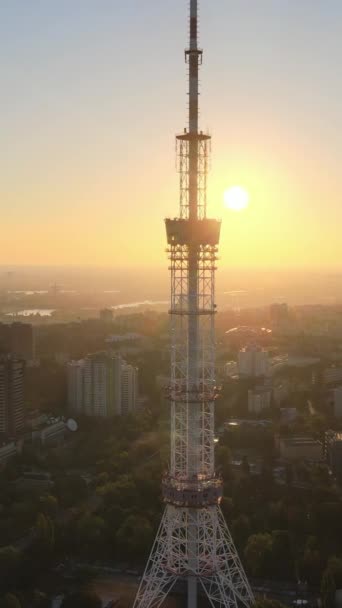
[[72, 425]]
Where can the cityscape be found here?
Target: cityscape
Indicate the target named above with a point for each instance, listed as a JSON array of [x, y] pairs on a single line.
[[170, 420]]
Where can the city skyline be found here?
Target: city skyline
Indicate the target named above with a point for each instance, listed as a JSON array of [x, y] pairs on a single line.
[[87, 169]]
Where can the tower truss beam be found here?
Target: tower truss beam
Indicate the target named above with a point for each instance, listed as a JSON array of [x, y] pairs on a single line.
[[193, 543]]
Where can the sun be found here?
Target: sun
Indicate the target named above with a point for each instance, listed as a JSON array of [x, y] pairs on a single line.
[[236, 198]]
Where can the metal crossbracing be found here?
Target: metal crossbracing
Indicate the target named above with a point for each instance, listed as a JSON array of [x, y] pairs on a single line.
[[193, 545]]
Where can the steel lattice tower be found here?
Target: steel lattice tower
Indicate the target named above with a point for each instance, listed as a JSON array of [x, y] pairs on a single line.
[[193, 541]]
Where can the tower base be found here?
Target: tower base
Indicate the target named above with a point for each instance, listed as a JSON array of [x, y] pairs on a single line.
[[194, 544]]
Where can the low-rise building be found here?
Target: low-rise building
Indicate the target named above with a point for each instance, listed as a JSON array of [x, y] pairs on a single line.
[[300, 448], [281, 392], [337, 401], [333, 452], [34, 480], [231, 369], [50, 434], [288, 414], [7, 451], [128, 337], [259, 399], [332, 375]]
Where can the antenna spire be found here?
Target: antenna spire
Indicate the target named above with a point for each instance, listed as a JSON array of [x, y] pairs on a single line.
[[193, 23], [194, 58]]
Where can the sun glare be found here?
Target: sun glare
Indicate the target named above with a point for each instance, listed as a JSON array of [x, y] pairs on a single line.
[[236, 198]]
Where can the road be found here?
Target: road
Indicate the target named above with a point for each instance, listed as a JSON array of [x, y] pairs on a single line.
[[124, 584]]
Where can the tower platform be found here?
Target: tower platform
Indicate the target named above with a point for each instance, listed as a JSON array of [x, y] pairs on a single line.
[[193, 232]]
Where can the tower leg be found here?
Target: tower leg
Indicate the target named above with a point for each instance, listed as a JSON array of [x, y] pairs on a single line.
[[218, 567], [228, 585], [157, 580]]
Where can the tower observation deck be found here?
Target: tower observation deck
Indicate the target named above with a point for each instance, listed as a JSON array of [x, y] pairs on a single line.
[[193, 542]]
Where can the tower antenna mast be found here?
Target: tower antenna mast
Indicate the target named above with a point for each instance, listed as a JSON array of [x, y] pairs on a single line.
[[193, 543]]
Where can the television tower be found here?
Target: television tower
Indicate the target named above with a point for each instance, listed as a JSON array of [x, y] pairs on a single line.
[[193, 542]]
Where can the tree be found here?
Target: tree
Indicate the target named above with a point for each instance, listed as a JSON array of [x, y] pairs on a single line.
[[49, 505], [135, 536], [289, 474], [41, 549], [331, 580], [10, 601], [310, 565], [257, 553], [224, 460], [227, 507], [282, 555], [121, 492], [246, 469], [71, 489], [266, 480], [82, 599], [328, 589], [277, 517], [40, 600], [241, 529], [10, 559], [45, 530], [90, 531]]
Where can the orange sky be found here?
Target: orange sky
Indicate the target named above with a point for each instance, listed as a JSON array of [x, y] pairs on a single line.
[[91, 107]]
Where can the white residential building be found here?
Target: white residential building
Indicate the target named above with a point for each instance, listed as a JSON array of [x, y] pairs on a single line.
[[75, 378], [102, 385], [253, 362], [129, 388]]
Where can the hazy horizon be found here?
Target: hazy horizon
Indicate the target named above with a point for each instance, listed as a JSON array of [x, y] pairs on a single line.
[[91, 102], [235, 287]]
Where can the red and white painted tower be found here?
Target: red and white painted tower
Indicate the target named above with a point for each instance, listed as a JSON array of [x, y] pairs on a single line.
[[193, 542]]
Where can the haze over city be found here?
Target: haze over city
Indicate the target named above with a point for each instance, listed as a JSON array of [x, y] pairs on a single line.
[[93, 93]]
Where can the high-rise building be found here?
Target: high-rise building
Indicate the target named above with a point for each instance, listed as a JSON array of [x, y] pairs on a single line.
[[11, 396], [18, 339], [279, 313], [23, 341], [106, 315], [129, 388], [5, 338], [106, 384], [102, 385], [253, 362], [75, 376], [337, 401]]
